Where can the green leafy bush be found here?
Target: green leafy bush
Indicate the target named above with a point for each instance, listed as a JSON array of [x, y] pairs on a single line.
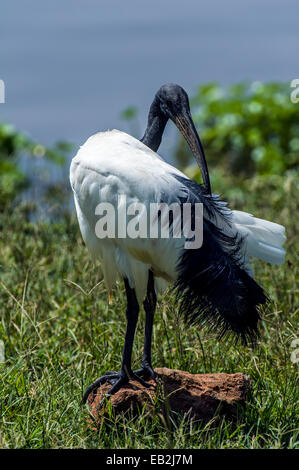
[[247, 127]]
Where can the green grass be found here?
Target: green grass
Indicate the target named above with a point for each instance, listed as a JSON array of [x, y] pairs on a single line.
[[58, 339]]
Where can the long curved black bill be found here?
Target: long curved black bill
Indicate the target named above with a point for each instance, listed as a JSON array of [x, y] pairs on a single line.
[[186, 126]]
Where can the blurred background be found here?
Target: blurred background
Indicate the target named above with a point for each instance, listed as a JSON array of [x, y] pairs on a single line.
[[74, 68]]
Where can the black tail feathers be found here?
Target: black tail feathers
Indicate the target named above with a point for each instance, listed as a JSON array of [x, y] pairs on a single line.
[[213, 288]]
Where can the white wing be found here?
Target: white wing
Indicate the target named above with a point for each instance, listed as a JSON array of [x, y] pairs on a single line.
[[264, 239], [111, 164]]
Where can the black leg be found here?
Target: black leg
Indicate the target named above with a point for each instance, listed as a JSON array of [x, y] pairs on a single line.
[[132, 317], [149, 307], [117, 380]]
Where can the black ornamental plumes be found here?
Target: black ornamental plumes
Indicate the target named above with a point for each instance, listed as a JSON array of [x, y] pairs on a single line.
[[212, 287]]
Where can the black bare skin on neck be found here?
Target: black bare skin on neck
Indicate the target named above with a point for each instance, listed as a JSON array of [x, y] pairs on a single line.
[[155, 127], [170, 100]]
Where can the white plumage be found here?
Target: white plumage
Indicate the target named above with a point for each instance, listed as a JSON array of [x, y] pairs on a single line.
[[113, 163]]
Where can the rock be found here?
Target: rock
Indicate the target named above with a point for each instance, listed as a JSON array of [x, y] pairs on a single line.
[[200, 395]]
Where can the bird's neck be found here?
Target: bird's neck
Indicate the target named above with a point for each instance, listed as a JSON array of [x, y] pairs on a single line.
[[155, 127]]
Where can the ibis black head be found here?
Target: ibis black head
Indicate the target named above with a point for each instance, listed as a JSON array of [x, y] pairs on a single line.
[[172, 102]]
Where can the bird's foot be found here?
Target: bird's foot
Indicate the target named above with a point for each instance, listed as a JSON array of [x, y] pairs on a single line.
[[117, 380], [146, 371]]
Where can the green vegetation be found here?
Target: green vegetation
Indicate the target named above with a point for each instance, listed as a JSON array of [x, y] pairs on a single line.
[[247, 128], [58, 339], [60, 334], [15, 145]]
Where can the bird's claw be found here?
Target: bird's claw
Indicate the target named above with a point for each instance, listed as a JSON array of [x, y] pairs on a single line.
[[146, 371], [108, 377], [117, 380]]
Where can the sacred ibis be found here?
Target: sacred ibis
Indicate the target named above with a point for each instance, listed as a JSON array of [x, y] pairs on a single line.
[[214, 283]]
